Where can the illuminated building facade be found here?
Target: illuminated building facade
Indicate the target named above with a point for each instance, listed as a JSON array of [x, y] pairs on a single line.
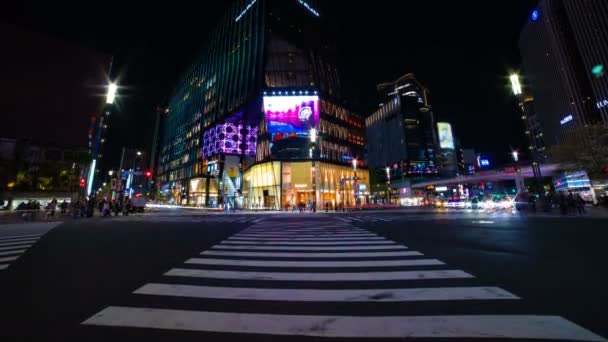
[[563, 49], [238, 126], [401, 135]]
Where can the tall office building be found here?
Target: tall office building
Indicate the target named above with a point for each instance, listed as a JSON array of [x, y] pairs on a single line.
[[401, 134], [563, 47], [259, 118]]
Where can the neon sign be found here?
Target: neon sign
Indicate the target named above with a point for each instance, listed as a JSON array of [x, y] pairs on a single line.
[[602, 104]]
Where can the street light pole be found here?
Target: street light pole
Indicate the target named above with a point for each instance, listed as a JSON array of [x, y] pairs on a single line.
[[110, 97], [313, 141], [388, 184], [519, 182], [355, 180], [518, 92]]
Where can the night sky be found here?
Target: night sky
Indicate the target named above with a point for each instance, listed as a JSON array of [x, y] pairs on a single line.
[[463, 51]]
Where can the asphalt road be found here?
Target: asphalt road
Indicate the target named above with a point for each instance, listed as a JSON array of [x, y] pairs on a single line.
[[306, 277]]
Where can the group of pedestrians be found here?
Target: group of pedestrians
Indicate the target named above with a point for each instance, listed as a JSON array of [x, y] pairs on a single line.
[[117, 206], [571, 203], [85, 207]]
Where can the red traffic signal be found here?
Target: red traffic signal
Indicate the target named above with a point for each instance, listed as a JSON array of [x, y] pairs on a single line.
[[148, 174], [83, 182]]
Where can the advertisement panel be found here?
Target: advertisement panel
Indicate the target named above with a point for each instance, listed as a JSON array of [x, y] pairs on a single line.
[[446, 139], [291, 116]]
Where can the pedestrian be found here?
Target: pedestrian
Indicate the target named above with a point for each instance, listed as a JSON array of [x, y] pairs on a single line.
[[580, 204], [532, 203], [91, 207], [63, 206], [116, 207], [563, 204], [571, 202], [83, 207], [127, 207], [105, 207]]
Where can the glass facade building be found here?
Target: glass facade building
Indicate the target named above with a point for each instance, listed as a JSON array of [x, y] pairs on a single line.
[[401, 134], [246, 107], [566, 36]]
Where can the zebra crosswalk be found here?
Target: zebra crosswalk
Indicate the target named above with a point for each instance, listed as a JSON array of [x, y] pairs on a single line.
[[309, 279], [215, 218], [12, 247]]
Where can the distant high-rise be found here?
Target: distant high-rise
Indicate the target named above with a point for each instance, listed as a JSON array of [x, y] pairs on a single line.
[[564, 46], [401, 133]]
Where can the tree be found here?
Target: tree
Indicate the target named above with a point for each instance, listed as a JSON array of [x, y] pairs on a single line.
[[584, 148]]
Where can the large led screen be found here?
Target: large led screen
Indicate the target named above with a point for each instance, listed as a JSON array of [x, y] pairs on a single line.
[[446, 140], [230, 138], [291, 116]]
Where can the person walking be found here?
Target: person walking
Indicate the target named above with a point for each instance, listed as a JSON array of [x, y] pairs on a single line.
[[116, 207], [105, 208], [580, 204], [571, 203], [127, 207], [83, 207], [563, 204]]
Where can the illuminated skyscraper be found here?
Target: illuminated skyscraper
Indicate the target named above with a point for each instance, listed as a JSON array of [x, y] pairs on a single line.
[[401, 133], [237, 128], [564, 49]]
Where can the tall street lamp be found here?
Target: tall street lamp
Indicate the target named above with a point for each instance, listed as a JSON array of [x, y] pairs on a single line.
[[518, 92], [388, 184], [355, 179], [110, 97], [313, 141]]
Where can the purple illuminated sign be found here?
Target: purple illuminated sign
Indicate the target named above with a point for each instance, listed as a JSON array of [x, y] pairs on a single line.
[[230, 138], [290, 116]]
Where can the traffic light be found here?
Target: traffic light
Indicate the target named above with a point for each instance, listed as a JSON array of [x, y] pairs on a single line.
[[83, 182], [148, 174]]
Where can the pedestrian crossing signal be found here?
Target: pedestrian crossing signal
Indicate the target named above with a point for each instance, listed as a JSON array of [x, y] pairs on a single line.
[[83, 182]]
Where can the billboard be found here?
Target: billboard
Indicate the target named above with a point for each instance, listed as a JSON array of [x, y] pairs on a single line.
[[446, 139], [234, 136], [291, 116]]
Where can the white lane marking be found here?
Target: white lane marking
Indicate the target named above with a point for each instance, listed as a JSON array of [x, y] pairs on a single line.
[[270, 243], [5, 244], [19, 240], [314, 295], [325, 232], [454, 326], [320, 264], [312, 255], [309, 276], [307, 232], [8, 259], [308, 239], [308, 249], [289, 236], [19, 237], [15, 247], [17, 251]]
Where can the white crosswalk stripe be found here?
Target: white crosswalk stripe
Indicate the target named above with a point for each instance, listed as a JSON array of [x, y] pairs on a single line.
[[294, 265], [12, 247], [312, 255]]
